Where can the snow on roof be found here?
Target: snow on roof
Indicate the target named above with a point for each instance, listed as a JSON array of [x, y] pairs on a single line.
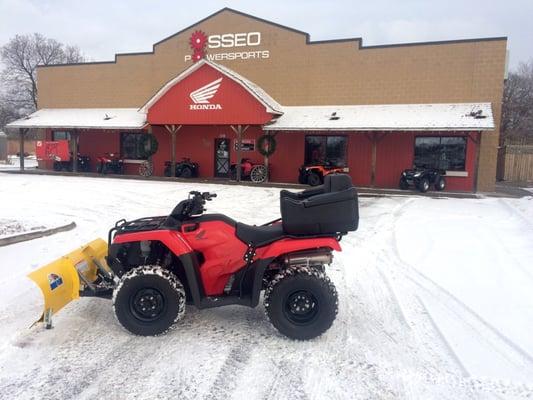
[[83, 118], [397, 117], [271, 105]]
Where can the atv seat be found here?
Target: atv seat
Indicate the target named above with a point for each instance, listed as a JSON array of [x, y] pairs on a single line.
[[259, 235]]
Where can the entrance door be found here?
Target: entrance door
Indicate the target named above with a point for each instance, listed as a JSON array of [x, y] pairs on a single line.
[[222, 158]]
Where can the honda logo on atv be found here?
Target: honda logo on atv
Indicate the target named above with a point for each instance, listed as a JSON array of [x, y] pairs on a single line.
[[202, 96]]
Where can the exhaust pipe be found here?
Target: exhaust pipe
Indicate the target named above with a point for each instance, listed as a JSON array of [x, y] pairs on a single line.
[[309, 258]]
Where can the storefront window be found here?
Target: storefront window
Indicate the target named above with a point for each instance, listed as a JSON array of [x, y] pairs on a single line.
[[325, 150], [60, 135], [135, 146], [448, 153]]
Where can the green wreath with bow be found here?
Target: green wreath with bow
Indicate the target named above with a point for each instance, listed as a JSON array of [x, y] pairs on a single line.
[[266, 145]]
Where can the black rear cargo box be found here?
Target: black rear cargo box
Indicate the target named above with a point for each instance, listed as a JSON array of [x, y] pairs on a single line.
[[329, 209]]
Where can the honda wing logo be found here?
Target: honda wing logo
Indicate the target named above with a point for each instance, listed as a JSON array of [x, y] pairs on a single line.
[[202, 96]]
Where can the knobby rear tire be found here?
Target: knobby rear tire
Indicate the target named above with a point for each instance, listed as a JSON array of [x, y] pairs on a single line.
[[289, 283]]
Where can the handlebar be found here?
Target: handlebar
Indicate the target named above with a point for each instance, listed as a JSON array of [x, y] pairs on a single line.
[[205, 195]]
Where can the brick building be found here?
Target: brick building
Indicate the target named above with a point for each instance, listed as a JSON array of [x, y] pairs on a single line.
[[373, 109]]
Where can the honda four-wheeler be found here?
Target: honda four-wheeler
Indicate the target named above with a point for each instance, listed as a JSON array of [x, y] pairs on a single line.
[[84, 163], [184, 169], [154, 266], [423, 178], [110, 163], [256, 173], [313, 175]]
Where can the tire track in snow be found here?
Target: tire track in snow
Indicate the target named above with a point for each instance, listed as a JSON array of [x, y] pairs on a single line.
[[226, 380], [469, 318], [456, 358], [409, 270], [285, 384]]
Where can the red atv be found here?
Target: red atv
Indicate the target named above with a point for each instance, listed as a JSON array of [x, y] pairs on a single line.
[[110, 163], [159, 264], [257, 173]]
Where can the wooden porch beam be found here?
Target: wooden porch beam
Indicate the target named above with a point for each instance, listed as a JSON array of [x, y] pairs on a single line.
[[22, 134], [173, 129], [74, 137], [239, 131]]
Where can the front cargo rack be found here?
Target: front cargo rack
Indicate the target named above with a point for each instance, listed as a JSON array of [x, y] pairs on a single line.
[[136, 225]]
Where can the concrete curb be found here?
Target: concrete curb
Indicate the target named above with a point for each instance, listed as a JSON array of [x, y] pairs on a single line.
[[35, 234]]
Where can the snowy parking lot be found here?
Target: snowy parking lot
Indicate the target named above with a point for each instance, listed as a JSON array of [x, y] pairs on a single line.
[[436, 302]]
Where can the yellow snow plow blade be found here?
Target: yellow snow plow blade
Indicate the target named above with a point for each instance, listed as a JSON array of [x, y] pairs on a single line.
[[60, 280]]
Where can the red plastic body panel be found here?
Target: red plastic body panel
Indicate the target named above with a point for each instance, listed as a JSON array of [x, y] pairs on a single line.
[[48, 150], [171, 239], [223, 251]]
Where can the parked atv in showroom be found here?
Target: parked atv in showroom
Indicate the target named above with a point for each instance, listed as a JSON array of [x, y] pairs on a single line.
[[184, 169], [313, 175], [152, 267], [256, 173], [110, 163], [423, 178]]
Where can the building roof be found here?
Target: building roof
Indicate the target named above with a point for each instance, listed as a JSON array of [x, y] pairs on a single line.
[[271, 105], [392, 117], [83, 118]]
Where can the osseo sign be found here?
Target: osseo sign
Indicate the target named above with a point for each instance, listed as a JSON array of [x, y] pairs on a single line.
[[202, 44], [234, 40]]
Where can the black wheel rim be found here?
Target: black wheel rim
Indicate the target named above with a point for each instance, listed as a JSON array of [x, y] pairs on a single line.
[[313, 180], [301, 307], [147, 304], [186, 173]]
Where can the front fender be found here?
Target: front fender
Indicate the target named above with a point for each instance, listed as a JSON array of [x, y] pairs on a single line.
[[172, 239]]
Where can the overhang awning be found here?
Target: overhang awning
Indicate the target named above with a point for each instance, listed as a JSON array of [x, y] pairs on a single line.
[[390, 117], [83, 118]]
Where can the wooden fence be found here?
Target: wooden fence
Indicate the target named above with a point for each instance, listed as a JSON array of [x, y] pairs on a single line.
[[517, 163]]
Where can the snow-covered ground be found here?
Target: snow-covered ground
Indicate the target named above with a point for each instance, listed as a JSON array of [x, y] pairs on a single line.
[[11, 227], [13, 163], [436, 302]]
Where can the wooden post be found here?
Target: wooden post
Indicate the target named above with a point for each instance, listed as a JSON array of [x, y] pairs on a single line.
[[374, 138], [74, 138], [22, 133], [173, 129], [239, 131], [477, 141]]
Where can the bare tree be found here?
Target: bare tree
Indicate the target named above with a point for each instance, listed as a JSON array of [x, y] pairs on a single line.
[[20, 57], [7, 114], [517, 111]]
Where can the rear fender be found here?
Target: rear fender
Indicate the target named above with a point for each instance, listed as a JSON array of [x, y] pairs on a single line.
[[285, 246]]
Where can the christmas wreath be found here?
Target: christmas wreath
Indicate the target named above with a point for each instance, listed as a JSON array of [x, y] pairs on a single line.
[[266, 145], [147, 145]]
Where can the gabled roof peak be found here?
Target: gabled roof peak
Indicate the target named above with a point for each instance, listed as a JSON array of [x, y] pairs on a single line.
[[271, 105]]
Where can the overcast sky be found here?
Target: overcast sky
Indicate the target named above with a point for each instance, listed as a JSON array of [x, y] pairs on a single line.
[[103, 28]]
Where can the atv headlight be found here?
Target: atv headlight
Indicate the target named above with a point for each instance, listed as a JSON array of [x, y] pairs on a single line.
[[404, 173], [417, 174]]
